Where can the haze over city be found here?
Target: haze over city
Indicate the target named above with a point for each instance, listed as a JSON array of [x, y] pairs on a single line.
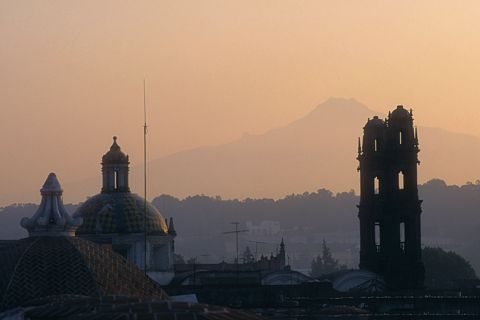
[[72, 77]]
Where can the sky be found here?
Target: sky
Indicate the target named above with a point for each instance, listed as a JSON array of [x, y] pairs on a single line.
[[71, 73]]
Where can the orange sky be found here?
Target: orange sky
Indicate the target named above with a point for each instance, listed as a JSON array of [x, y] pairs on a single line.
[[71, 72]]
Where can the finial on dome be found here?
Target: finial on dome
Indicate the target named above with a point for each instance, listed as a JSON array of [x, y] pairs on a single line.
[[115, 146], [171, 227], [51, 218]]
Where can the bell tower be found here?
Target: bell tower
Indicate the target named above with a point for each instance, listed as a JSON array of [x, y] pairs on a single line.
[[389, 210], [115, 170]]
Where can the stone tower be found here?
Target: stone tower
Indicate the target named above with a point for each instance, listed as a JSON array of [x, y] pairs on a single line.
[[389, 210]]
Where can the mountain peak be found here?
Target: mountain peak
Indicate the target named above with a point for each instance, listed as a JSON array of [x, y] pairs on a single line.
[[339, 108], [343, 103]]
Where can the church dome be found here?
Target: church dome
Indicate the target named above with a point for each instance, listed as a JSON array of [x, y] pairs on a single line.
[[37, 267], [121, 212], [375, 122], [115, 155], [116, 209], [400, 113]]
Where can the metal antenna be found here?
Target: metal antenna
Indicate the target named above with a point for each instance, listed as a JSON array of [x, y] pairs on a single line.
[[145, 175], [236, 235], [256, 246]]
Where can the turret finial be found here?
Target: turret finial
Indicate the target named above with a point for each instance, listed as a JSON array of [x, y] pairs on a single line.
[[51, 218], [171, 227]]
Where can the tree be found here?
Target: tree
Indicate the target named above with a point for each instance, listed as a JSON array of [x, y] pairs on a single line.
[[325, 263], [445, 269]]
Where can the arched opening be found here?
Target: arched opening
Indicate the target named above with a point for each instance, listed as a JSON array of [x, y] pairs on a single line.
[[375, 145], [401, 181], [377, 236], [400, 137], [376, 185], [115, 180], [402, 236]]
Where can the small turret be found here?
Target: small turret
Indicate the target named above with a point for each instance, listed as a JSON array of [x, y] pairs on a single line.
[[171, 227], [51, 218], [115, 170]]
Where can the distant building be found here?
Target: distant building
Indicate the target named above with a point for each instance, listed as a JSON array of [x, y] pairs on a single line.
[[116, 217], [389, 210], [265, 270]]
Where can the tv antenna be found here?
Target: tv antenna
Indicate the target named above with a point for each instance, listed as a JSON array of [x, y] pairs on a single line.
[[256, 246], [236, 231], [145, 176]]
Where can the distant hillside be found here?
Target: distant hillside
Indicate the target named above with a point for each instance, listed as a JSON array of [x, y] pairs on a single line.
[[450, 219], [316, 150]]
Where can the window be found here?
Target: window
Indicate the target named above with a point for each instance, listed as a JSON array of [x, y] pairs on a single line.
[[400, 137], [401, 181], [375, 142], [402, 236], [376, 185], [377, 236], [115, 180]]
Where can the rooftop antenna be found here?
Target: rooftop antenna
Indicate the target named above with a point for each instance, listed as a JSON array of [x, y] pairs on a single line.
[[256, 246], [236, 231], [145, 176]]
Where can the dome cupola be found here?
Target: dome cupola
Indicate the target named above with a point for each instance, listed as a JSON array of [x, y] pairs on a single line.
[[115, 170], [400, 113]]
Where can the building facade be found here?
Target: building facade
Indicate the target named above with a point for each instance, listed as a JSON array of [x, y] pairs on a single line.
[[389, 209]]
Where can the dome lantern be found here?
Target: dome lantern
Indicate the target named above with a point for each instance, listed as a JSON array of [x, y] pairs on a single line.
[[115, 170]]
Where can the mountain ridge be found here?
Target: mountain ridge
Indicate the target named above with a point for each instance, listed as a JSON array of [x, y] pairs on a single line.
[[315, 151]]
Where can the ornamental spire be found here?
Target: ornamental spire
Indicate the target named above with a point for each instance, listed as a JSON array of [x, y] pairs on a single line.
[[171, 227], [51, 218]]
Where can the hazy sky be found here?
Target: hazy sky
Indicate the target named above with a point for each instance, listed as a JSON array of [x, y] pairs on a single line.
[[71, 72]]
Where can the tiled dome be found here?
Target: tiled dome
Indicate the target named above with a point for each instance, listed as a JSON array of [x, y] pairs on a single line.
[[38, 267], [118, 213]]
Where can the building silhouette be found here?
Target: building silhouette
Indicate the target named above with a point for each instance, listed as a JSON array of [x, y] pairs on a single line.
[[389, 209]]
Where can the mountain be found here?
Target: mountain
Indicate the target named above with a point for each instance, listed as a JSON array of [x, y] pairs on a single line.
[[316, 151]]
